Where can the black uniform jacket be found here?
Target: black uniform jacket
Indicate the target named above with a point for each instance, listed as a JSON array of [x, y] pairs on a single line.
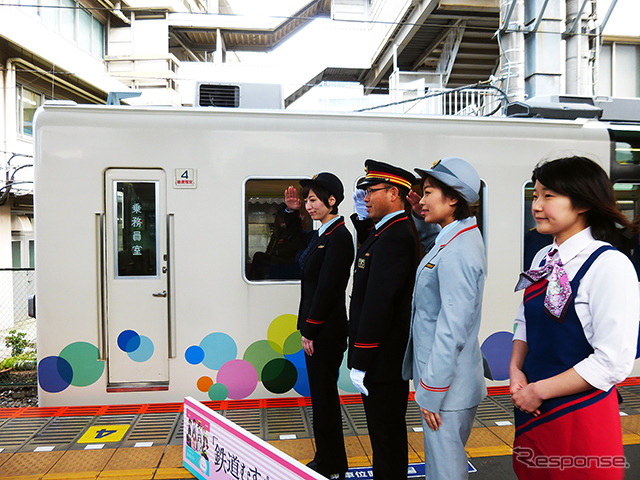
[[380, 310], [322, 315]]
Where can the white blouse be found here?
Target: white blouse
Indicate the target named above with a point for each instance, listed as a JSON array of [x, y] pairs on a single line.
[[607, 304]]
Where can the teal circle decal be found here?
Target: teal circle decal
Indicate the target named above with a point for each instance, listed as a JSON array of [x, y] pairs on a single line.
[[85, 364]]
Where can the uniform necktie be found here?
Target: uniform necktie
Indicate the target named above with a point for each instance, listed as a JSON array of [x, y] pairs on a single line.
[[314, 241], [558, 292]]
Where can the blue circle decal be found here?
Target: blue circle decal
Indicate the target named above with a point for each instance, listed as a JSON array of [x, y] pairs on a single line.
[[128, 341], [194, 354], [54, 374], [497, 350]]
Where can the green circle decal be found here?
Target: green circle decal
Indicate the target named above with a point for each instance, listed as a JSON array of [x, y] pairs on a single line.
[[279, 375], [293, 343], [83, 358], [260, 353], [218, 391]]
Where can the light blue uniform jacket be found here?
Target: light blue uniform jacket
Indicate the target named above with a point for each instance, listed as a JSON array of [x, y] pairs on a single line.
[[443, 347]]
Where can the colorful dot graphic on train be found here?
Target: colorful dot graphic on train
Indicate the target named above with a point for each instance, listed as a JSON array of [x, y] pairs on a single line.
[[138, 347], [77, 365], [497, 350], [277, 362]]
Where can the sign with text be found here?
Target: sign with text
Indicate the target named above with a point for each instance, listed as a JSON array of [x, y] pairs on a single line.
[[215, 448], [185, 178]]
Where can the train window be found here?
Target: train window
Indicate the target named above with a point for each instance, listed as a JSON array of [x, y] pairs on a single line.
[[628, 201], [136, 229], [532, 241], [271, 249], [627, 147]]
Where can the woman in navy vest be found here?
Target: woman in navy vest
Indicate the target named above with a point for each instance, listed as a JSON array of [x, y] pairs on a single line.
[[576, 331], [322, 316]]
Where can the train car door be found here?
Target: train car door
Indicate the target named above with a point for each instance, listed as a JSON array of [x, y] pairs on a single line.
[[136, 278]]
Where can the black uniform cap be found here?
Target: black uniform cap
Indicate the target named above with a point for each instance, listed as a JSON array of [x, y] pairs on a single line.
[[380, 172], [329, 182]]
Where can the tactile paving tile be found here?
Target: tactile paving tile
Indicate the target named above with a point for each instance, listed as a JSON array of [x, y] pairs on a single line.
[[178, 431], [139, 462], [357, 418], [483, 443], [346, 426], [4, 456], [630, 429], [171, 465], [24, 464], [73, 462], [152, 427], [115, 420], [17, 431], [416, 443], [250, 420], [490, 411], [630, 401], [505, 433], [60, 432], [414, 416], [301, 449], [286, 421]]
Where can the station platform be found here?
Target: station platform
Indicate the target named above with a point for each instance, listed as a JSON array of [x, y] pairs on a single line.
[[145, 441]]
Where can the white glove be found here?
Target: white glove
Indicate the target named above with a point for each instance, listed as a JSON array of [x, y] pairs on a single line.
[[357, 378], [359, 204]]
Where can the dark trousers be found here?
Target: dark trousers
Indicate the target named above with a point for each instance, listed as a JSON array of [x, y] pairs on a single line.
[[386, 409], [323, 368]]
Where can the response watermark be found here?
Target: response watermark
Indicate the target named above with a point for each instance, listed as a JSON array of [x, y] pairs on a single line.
[[564, 462]]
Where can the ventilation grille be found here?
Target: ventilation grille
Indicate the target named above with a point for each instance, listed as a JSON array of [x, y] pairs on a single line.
[[219, 96]]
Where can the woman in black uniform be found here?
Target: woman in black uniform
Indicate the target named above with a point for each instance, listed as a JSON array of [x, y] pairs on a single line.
[[322, 316]]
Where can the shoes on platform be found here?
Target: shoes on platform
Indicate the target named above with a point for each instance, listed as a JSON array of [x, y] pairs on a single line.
[[334, 476]]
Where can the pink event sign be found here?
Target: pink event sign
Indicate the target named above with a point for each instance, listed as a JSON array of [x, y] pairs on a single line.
[[215, 448]]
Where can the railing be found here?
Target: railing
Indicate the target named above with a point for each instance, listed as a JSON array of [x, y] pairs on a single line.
[[465, 102]]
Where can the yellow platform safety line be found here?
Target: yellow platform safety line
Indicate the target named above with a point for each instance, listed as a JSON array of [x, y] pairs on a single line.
[[171, 473]]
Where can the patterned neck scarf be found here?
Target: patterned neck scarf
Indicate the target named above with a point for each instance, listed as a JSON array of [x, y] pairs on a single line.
[[558, 292]]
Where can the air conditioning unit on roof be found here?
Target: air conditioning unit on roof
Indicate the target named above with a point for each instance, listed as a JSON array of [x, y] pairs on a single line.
[[239, 95]]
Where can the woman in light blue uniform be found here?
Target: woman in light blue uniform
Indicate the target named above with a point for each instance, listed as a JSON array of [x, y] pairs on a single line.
[[443, 356]]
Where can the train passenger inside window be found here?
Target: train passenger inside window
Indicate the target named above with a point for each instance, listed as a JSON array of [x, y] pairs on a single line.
[[576, 332]]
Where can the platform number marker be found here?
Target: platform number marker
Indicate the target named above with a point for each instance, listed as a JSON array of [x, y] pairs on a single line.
[[104, 434]]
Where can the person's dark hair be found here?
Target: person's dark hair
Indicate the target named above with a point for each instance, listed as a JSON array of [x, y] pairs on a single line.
[[323, 194], [588, 186], [463, 209]]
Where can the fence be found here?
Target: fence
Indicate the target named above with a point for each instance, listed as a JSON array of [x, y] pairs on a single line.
[[16, 285]]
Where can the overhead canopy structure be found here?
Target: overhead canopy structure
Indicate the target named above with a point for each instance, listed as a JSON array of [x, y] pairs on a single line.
[[199, 33], [421, 40], [453, 38]]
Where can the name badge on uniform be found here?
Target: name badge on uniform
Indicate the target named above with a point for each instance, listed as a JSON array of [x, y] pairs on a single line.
[[430, 265], [361, 263]]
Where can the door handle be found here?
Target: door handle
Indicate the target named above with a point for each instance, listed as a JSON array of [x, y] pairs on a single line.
[[162, 294]]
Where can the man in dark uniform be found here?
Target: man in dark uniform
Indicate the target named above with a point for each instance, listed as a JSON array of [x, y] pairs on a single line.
[[380, 313]]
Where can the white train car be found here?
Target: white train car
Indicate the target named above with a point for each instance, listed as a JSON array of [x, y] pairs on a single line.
[[156, 272]]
